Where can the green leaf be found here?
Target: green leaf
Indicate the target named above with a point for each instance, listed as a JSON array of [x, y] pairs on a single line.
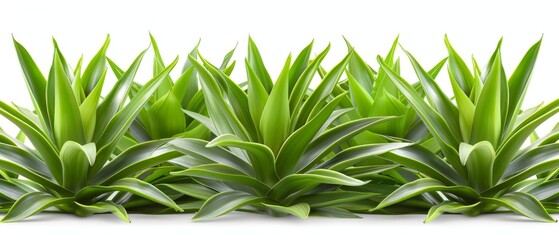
[[300, 210], [36, 84], [220, 112], [95, 69], [458, 69], [478, 160], [257, 94], [522, 203], [76, 160], [102, 207], [420, 186], [294, 147], [88, 109], [353, 155], [191, 189], [23, 163], [535, 161], [301, 86], [10, 191], [43, 145], [297, 184], [158, 67], [67, 124], [32, 203], [426, 162], [321, 92], [437, 97], [361, 98], [359, 69], [133, 160], [225, 202], [261, 156], [466, 110], [255, 61], [546, 191], [114, 101], [223, 173], [509, 148], [274, 124], [432, 120], [487, 123], [181, 86], [327, 141], [518, 83], [131, 185], [120, 123], [333, 212], [197, 149], [452, 207], [326, 199], [166, 118], [299, 65]]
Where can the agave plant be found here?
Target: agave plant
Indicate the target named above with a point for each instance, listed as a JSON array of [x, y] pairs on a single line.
[[275, 152], [163, 116], [479, 167], [372, 94], [74, 132]]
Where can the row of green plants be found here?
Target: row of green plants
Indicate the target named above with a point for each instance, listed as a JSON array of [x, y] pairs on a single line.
[[363, 140]]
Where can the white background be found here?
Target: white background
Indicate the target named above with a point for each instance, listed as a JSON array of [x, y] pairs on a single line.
[[279, 27]]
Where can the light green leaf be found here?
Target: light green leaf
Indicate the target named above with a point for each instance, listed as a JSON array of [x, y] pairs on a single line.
[[36, 84], [67, 124], [88, 109], [223, 173], [32, 203], [300, 210], [421, 186], [518, 83], [76, 160], [225, 202], [436, 96], [120, 123], [478, 160], [166, 118], [197, 149], [452, 207], [131, 185], [255, 61], [261, 156], [301, 86], [114, 101], [522, 203], [257, 95], [295, 185], [95, 69], [433, 121], [487, 124], [102, 207], [362, 100], [274, 123], [299, 65], [458, 69], [327, 141]]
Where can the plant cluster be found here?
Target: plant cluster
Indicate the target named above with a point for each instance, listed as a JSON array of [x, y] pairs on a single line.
[[362, 140]]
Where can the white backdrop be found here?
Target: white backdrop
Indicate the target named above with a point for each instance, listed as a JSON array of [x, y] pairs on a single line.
[[278, 27]]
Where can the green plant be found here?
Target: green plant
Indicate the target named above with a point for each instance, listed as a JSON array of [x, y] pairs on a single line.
[[274, 152], [372, 94], [74, 132], [480, 165], [163, 116]]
